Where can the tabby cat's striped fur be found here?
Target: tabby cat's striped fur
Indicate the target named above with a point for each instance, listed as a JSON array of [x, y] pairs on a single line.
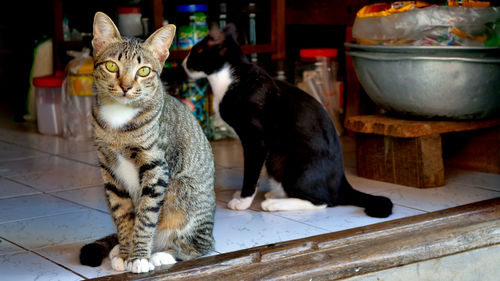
[[157, 164]]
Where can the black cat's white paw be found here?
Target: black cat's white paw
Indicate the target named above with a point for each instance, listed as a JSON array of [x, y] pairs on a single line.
[[238, 203], [289, 204]]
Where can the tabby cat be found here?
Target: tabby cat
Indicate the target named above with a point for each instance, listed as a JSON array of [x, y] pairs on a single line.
[[157, 165], [281, 127]]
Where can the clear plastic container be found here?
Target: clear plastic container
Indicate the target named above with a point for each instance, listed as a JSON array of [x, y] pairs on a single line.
[[48, 104], [129, 21], [78, 96], [316, 74]]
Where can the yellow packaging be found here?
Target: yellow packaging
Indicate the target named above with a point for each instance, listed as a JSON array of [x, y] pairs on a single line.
[[80, 76], [385, 9], [80, 85]]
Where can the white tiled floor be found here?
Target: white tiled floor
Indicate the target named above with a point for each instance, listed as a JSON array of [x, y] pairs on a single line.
[[52, 203]]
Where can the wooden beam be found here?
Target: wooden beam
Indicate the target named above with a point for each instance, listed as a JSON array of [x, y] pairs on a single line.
[[350, 252], [157, 8], [278, 38], [247, 49], [58, 50]]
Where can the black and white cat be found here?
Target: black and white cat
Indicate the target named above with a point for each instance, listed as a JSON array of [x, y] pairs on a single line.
[[279, 125]]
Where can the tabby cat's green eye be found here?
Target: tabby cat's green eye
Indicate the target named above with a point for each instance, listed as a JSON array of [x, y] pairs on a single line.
[[144, 71], [111, 66]]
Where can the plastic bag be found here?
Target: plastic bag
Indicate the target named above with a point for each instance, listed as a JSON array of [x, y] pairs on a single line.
[[78, 96], [431, 25]]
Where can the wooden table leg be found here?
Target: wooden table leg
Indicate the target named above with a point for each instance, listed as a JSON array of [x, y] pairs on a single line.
[[416, 162]]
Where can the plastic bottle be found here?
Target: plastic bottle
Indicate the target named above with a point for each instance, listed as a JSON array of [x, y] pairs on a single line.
[[192, 22], [222, 15], [252, 29], [129, 21], [66, 30], [48, 104]]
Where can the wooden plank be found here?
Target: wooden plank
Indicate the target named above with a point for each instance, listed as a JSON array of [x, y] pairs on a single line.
[[350, 252], [390, 126], [413, 162]]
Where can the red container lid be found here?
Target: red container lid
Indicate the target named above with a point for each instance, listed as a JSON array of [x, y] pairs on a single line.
[[48, 81], [59, 73], [129, 10], [314, 53]]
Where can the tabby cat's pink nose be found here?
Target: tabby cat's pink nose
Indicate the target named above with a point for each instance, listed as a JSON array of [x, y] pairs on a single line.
[[125, 88]]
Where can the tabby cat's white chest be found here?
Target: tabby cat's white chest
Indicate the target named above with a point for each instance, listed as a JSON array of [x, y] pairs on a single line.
[[117, 115], [128, 174]]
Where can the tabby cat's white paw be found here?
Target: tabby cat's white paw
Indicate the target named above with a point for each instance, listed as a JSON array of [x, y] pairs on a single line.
[[117, 264], [139, 265], [238, 203], [161, 258]]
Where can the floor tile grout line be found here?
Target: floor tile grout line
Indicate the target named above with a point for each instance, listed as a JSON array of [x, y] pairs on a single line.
[[80, 204], [488, 188], [484, 187], [76, 188], [44, 191], [22, 249], [284, 217], [349, 227], [27, 147], [54, 154], [44, 257], [45, 216], [271, 213]]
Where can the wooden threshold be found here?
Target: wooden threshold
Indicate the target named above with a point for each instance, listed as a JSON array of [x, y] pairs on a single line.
[[347, 253]]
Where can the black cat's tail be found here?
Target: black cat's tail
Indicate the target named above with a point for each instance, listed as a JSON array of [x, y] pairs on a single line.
[[375, 206], [92, 254]]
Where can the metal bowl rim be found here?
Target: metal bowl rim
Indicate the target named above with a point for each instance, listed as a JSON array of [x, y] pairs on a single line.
[[383, 48]]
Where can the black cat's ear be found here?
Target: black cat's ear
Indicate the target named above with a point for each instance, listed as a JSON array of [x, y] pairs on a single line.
[[231, 32], [160, 41], [105, 32], [216, 35]]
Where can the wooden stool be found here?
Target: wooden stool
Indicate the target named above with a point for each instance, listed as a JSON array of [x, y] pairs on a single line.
[[410, 152]]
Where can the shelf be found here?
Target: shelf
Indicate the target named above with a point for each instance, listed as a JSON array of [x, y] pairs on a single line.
[[247, 49], [155, 10]]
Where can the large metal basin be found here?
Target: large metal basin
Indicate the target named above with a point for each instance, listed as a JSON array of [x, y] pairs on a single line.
[[431, 82]]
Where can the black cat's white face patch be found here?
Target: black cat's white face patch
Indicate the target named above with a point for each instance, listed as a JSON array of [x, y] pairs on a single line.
[[193, 74]]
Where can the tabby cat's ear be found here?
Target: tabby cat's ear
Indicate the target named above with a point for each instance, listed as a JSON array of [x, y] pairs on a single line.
[[105, 32], [160, 41]]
